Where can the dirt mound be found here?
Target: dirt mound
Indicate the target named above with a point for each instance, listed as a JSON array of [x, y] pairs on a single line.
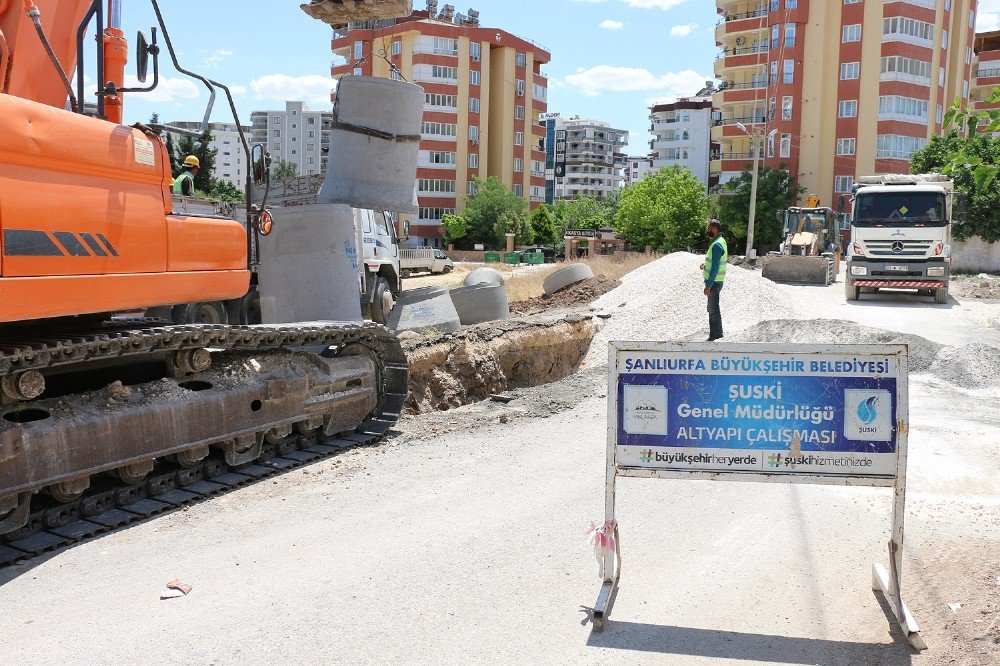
[[580, 293], [968, 366], [922, 354], [979, 287]]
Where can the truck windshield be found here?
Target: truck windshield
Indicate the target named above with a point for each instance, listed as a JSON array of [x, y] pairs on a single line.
[[902, 209]]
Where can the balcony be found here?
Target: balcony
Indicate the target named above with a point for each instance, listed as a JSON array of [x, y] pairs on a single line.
[[742, 50], [746, 120]]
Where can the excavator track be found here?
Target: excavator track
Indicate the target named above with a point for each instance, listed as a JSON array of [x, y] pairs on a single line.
[[271, 398]]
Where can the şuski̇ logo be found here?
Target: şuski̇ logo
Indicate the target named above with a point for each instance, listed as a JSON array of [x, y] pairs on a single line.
[[867, 411]]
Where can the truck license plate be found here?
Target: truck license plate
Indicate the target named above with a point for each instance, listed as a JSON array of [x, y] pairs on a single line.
[[897, 267]]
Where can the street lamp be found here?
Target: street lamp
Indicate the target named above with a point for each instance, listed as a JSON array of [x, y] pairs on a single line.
[[753, 178]]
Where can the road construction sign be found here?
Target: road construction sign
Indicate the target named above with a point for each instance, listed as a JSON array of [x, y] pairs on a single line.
[[828, 414]]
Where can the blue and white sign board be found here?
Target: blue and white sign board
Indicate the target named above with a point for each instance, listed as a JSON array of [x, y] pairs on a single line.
[[830, 414]]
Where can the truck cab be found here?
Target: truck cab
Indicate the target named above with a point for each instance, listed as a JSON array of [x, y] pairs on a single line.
[[380, 274], [901, 234]]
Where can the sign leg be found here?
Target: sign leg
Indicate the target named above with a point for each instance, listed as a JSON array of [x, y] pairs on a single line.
[[610, 569]]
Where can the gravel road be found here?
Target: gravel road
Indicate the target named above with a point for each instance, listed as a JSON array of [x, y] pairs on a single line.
[[462, 539]]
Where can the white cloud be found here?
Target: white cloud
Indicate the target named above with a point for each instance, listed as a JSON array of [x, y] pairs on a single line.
[[169, 90], [311, 88], [653, 4], [989, 16], [683, 30], [213, 59], [238, 90], [609, 24], [595, 80]]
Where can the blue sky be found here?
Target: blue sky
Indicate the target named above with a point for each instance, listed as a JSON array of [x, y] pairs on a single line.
[[610, 58]]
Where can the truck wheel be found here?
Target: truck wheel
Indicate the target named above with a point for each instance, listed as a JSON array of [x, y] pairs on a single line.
[[853, 293], [208, 312], [382, 305], [447, 269], [941, 295]]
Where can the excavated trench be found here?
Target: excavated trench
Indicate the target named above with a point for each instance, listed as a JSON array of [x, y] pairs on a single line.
[[465, 367]]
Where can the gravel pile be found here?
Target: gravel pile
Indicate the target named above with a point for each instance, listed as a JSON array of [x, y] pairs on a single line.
[[968, 366], [922, 351], [580, 293], [665, 302]]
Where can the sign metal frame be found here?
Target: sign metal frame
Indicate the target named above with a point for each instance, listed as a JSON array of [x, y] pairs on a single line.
[[888, 581]]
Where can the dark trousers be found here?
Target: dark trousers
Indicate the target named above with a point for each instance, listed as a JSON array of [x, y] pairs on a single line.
[[714, 313]]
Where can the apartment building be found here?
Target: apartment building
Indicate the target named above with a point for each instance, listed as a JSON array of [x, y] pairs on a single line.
[[230, 158], [837, 89], [484, 89], [636, 168], [682, 134], [296, 135], [587, 158], [985, 68]]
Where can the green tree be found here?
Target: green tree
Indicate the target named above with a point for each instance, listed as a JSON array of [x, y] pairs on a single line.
[[491, 212], [776, 190], [286, 170], [455, 227], [666, 210], [543, 225], [200, 147], [225, 191], [971, 155]]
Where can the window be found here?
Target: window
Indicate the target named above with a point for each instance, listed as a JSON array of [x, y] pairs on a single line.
[[972, 19], [947, 5], [397, 48], [310, 160], [473, 160], [907, 109], [359, 50], [440, 157], [791, 4], [775, 32], [852, 2], [476, 50], [774, 72], [518, 138], [437, 99], [518, 190], [277, 134], [968, 55], [788, 72], [519, 87], [445, 46], [785, 146], [896, 146], [848, 108], [311, 147], [846, 146], [358, 71], [311, 120], [518, 165], [789, 34], [277, 146], [473, 105], [851, 33], [941, 76], [850, 70], [432, 213], [440, 129], [474, 77], [295, 152], [774, 5], [770, 145], [470, 187], [312, 134], [442, 72], [900, 28], [435, 185], [944, 39], [940, 113], [965, 90], [685, 135], [473, 133], [786, 108], [522, 61], [519, 112], [899, 68], [539, 92], [843, 184]]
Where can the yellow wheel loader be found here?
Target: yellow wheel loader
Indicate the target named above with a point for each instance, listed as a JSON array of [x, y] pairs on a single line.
[[810, 252]]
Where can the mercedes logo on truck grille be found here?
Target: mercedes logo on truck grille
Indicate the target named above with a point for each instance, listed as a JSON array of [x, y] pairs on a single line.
[[897, 247]]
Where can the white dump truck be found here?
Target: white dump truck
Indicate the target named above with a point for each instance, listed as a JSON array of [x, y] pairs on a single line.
[[425, 259], [901, 234]]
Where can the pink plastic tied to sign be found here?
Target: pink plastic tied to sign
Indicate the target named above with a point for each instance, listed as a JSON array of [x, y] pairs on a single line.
[[602, 538]]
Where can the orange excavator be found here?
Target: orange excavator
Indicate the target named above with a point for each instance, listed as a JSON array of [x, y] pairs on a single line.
[[105, 417]]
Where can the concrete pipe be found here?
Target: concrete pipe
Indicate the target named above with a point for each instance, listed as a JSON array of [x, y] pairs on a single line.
[[377, 122], [564, 277], [484, 276], [480, 302], [424, 309]]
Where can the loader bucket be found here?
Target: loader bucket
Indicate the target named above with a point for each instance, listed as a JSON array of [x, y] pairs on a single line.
[[797, 269]]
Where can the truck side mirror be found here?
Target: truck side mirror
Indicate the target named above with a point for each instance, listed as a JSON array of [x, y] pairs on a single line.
[[406, 230], [141, 57], [259, 160], [960, 206]]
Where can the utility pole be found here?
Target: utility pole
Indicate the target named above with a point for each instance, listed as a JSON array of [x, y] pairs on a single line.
[[757, 139]]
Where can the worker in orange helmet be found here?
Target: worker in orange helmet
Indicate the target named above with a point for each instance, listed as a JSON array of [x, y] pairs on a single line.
[[184, 183]]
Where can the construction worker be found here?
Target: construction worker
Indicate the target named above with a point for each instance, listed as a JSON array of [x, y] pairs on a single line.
[[184, 183], [714, 274]]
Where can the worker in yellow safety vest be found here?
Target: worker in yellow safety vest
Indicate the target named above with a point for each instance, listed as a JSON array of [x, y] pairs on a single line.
[[184, 183], [714, 274]]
